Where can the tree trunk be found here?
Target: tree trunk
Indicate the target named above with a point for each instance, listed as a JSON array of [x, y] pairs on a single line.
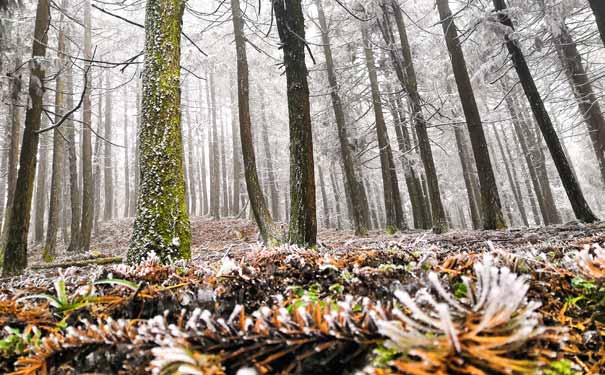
[[223, 154], [15, 254], [215, 182], [392, 198], [13, 151], [581, 85], [510, 170], [324, 198], [203, 170], [237, 152], [490, 201], [360, 209], [41, 192], [98, 169], [598, 8], [56, 188], [191, 162], [126, 160], [87, 169], [137, 170], [467, 175], [162, 224], [411, 86], [271, 177], [291, 27], [74, 182], [336, 197], [571, 185], [107, 159], [258, 206]]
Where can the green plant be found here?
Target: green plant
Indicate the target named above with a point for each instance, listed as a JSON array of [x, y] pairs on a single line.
[[16, 342], [561, 367]]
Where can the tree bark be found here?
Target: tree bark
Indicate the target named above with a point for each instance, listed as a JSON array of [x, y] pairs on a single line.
[[162, 224], [74, 182], [571, 185], [490, 201], [410, 84], [15, 254], [291, 28], [237, 151], [56, 189], [87, 168], [598, 8], [360, 208], [258, 206]]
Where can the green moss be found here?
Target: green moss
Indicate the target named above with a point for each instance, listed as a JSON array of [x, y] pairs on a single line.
[[47, 256], [390, 230]]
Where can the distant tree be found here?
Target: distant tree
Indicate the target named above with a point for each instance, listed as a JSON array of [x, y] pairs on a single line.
[[290, 23], [570, 183], [107, 156], [15, 253], [162, 224], [127, 202], [41, 186]]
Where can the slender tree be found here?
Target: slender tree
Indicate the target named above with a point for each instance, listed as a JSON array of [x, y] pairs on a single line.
[[570, 183], [162, 224], [360, 214], [15, 254], [258, 205], [107, 157], [490, 201], [41, 188], [291, 28], [126, 161], [237, 150]]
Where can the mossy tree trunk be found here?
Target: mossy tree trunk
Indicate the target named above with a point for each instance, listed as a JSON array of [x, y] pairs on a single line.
[[360, 210], [291, 27], [15, 253], [162, 224], [490, 200], [258, 204], [570, 183]]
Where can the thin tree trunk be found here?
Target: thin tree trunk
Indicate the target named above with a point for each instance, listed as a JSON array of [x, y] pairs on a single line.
[[526, 179], [137, 170], [15, 254], [490, 201], [56, 188], [223, 154], [87, 168], [360, 209], [162, 224], [264, 221], [215, 181], [203, 170], [237, 151], [191, 162], [466, 173], [126, 158], [41, 192], [74, 183], [107, 159], [324, 198], [271, 177], [98, 169], [291, 28], [411, 86], [336, 197], [392, 199], [571, 185]]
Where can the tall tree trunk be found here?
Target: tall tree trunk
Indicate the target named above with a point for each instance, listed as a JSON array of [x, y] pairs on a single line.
[[512, 179], [237, 151], [598, 8], [126, 160], [360, 214], [581, 85], [97, 164], [271, 177], [337, 196], [107, 159], [203, 170], [41, 192], [411, 86], [191, 162], [490, 201], [290, 22], [392, 198], [74, 182], [215, 181], [324, 198], [87, 168], [56, 188], [137, 170], [162, 224], [258, 206], [13, 151], [467, 175], [571, 185], [15, 254]]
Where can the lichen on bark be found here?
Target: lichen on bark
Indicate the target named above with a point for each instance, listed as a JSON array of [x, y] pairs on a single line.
[[162, 223]]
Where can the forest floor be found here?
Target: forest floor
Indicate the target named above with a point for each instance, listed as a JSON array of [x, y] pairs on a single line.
[[466, 302]]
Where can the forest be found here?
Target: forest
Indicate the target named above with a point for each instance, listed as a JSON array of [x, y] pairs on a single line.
[[249, 187]]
